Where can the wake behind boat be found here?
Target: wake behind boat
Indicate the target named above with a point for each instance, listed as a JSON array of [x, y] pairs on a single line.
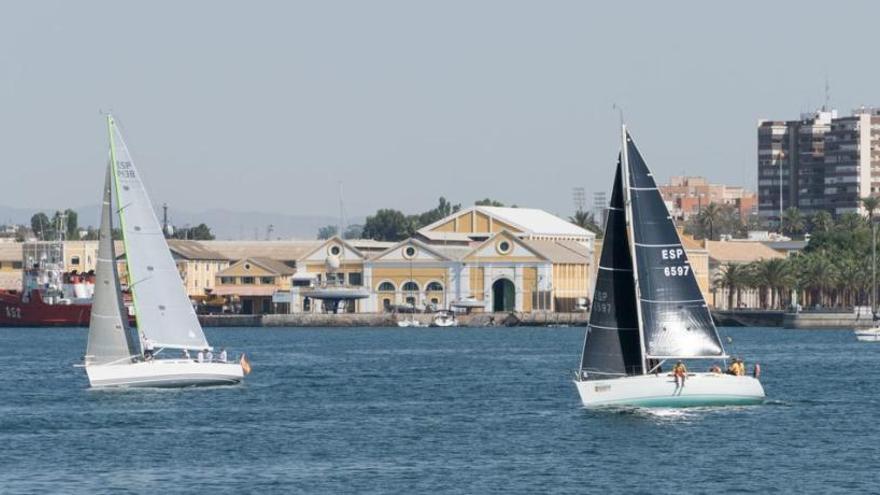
[[165, 317], [648, 309]]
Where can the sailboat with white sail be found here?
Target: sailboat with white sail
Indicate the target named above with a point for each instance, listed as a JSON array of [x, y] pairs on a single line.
[[648, 309], [164, 314]]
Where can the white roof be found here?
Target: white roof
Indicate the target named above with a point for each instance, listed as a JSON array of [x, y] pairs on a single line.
[[534, 221]]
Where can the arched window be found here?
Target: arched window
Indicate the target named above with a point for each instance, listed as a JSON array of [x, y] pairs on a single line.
[[386, 287], [410, 287], [434, 287]]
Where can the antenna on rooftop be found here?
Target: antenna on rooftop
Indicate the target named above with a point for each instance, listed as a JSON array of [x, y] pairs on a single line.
[[827, 107]]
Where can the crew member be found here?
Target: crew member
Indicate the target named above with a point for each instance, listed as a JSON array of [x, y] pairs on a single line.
[[679, 371], [148, 348]]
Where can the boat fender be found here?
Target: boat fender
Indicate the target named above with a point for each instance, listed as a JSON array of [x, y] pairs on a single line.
[[757, 371]]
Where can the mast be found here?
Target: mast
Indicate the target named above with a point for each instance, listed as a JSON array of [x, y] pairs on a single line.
[[627, 202], [110, 124]]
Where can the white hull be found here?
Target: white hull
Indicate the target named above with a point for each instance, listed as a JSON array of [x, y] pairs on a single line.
[[164, 373], [700, 389], [870, 335], [410, 323]]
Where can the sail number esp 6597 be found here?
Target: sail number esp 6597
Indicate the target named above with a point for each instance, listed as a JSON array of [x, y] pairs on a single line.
[[674, 271]]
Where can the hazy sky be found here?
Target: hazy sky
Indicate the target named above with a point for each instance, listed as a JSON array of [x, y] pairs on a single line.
[[267, 105]]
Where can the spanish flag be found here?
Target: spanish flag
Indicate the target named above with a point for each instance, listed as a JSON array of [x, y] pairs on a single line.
[[245, 365]]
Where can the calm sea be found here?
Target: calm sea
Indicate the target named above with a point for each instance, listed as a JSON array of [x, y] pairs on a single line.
[[432, 411]]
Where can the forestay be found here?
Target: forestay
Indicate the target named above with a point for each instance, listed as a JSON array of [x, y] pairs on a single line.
[[109, 336], [163, 310], [612, 343], [676, 321]]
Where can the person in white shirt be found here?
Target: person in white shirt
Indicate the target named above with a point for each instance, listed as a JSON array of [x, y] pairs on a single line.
[[209, 356], [223, 355], [200, 357], [148, 348], [186, 354]]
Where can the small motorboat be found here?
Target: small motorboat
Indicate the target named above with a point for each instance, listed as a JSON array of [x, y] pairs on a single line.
[[868, 335], [444, 319]]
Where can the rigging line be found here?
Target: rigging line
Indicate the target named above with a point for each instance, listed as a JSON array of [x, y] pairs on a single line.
[[139, 281], [615, 269], [612, 328], [639, 244], [671, 301]]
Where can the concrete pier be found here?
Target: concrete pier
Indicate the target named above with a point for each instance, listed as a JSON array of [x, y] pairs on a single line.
[[389, 320]]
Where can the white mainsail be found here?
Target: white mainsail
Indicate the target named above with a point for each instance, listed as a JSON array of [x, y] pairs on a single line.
[[109, 335], [163, 310]]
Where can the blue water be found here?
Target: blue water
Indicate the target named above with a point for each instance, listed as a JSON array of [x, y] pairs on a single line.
[[432, 411]]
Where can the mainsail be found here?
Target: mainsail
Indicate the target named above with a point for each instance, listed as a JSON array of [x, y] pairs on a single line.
[[163, 310], [612, 345], [676, 322], [109, 337]]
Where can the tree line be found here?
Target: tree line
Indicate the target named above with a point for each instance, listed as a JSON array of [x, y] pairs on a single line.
[[833, 270], [65, 225]]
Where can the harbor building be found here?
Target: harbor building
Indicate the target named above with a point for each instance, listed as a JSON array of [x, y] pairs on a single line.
[[686, 196], [10, 265], [483, 259], [821, 162]]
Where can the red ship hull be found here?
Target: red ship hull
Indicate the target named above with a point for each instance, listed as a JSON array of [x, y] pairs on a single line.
[[14, 312]]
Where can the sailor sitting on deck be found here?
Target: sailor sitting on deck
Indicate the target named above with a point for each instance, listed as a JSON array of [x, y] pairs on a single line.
[[186, 354], [222, 355], [679, 371], [209, 356], [200, 357], [736, 368]]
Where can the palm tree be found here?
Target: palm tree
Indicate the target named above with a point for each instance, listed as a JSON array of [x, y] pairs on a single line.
[[775, 275], [585, 220], [849, 222], [871, 204], [819, 274], [821, 222], [792, 221], [709, 218], [733, 277]]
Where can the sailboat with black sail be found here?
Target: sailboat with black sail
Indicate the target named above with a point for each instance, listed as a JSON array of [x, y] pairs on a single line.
[[648, 309], [164, 314]]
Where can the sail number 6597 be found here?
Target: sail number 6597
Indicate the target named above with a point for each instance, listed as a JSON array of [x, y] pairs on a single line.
[[676, 271]]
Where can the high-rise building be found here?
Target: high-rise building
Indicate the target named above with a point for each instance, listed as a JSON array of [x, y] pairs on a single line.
[[821, 162]]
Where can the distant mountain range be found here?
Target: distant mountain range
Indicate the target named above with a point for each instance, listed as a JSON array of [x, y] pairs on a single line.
[[225, 224]]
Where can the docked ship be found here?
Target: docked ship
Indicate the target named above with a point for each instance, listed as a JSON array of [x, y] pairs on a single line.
[[49, 296]]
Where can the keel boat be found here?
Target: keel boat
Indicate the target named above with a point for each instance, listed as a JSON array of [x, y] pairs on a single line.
[[648, 309], [165, 317]]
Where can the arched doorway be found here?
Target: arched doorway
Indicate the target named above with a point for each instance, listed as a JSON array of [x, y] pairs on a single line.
[[503, 295]]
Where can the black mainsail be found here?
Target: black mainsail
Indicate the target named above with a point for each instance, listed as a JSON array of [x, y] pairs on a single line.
[[647, 304], [612, 345], [675, 320]]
